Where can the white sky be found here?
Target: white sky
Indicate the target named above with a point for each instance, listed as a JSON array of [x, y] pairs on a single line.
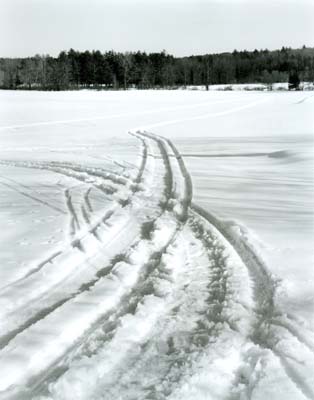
[[181, 27]]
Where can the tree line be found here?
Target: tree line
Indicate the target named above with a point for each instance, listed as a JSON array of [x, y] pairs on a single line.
[[114, 70]]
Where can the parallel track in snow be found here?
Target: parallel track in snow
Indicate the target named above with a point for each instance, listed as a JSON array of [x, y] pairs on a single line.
[[144, 301]]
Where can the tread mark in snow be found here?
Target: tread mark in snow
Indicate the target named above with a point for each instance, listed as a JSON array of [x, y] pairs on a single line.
[[74, 224]]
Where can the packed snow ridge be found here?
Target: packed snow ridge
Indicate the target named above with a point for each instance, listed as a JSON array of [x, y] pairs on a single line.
[[150, 297]]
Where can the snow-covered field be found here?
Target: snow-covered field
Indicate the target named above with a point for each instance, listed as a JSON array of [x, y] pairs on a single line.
[[156, 245]]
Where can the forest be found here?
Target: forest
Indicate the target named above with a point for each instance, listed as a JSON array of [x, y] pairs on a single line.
[[113, 70]]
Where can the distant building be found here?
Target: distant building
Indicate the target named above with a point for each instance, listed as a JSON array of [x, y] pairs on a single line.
[[294, 81]]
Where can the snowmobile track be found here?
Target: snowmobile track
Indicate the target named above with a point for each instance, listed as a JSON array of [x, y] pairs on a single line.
[[152, 259]]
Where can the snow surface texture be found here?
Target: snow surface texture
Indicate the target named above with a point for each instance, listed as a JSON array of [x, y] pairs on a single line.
[[119, 280]]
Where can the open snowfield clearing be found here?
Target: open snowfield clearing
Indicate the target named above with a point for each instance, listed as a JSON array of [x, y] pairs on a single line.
[[156, 245]]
